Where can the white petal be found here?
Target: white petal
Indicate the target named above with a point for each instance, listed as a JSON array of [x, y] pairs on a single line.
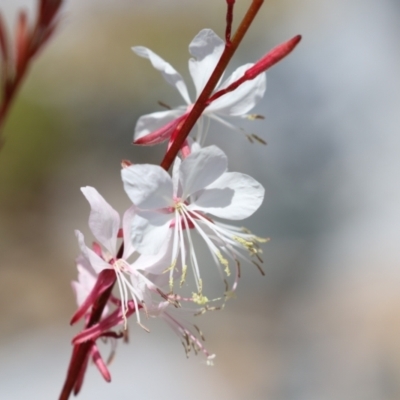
[[126, 229], [148, 127], [207, 48], [201, 168], [169, 73], [148, 186], [156, 264], [103, 220], [175, 177], [244, 98], [95, 261], [233, 196], [149, 231]]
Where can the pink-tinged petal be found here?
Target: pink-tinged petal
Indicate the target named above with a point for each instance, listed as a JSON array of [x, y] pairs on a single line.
[[127, 223], [100, 364], [242, 99], [97, 263], [149, 231], [105, 279], [97, 330], [104, 221], [232, 196], [148, 186], [169, 73], [185, 149], [157, 127], [202, 168], [86, 280], [207, 48]]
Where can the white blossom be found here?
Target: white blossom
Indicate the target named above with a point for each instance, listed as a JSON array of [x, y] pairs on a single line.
[[104, 223], [200, 187], [206, 48]]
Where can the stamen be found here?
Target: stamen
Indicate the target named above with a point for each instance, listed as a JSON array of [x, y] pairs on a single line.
[[259, 268], [262, 141], [200, 332], [224, 262], [252, 117], [198, 298], [183, 277], [162, 104]]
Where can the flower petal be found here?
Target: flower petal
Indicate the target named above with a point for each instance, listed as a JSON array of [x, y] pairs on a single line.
[[175, 177], [169, 73], [207, 48], [157, 127], [126, 229], [201, 168], [156, 264], [149, 231], [86, 280], [244, 98], [232, 196], [103, 220], [148, 186], [95, 261]]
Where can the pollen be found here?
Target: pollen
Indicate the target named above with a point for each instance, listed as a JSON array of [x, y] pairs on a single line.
[[183, 277], [171, 267], [224, 262], [198, 298]]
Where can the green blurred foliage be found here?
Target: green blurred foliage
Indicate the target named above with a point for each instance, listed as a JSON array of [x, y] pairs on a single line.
[[33, 143]]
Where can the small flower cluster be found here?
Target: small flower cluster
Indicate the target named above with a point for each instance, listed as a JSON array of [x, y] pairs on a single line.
[[150, 253]]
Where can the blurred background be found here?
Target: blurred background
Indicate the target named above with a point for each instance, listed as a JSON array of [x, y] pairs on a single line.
[[324, 323]]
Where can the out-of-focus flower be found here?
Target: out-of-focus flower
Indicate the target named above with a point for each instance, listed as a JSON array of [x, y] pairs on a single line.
[[200, 186], [206, 48], [104, 223]]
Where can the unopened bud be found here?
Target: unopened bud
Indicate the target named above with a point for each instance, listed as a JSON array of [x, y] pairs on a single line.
[[273, 57]]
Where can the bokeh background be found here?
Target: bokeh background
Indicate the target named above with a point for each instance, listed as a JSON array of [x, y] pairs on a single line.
[[324, 323]]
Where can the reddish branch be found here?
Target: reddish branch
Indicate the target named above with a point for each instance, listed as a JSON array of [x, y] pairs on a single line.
[[17, 57], [229, 19]]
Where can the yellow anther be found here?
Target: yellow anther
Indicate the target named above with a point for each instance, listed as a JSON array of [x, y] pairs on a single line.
[[224, 262], [198, 298], [183, 277], [246, 243], [171, 267], [261, 240]]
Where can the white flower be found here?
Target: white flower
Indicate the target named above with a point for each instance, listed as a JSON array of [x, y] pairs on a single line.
[[104, 223], [199, 186], [206, 48]]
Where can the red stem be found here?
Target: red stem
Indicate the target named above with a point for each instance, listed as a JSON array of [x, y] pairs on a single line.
[[81, 350], [229, 19]]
